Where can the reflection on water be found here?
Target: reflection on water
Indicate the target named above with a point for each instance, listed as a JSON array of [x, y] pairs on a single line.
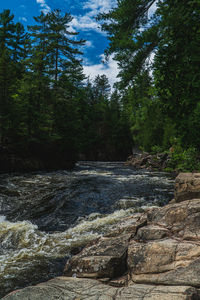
[[44, 216]]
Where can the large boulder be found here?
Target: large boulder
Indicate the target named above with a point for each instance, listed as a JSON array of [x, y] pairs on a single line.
[[106, 258], [167, 261], [182, 220], [187, 186]]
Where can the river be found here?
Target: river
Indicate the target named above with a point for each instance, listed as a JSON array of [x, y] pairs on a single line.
[[47, 217]]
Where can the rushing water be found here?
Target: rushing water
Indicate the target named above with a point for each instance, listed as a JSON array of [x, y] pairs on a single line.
[[46, 217]]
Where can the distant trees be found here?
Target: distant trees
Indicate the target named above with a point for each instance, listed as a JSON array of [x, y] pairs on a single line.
[[106, 135], [41, 78], [12, 53], [46, 106]]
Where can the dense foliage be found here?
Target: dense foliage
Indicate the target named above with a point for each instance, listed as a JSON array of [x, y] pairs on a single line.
[[47, 103], [48, 110], [158, 56]]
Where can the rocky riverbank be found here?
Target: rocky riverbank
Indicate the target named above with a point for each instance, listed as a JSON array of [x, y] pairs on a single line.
[[148, 161], [151, 255]]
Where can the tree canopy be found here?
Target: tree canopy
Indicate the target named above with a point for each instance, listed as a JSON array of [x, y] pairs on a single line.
[[166, 46]]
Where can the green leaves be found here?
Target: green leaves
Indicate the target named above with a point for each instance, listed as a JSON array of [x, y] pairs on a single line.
[[167, 106], [132, 37]]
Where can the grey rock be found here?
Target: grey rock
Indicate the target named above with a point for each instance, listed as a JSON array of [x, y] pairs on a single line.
[[64, 288]]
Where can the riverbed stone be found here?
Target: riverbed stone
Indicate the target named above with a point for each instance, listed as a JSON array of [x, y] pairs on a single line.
[[152, 232], [128, 225], [104, 258], [82, 289], [187, 186], [167, 261], [181, 219], [148, 161]]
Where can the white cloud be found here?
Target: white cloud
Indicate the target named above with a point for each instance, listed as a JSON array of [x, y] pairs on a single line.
[[92, 8], [85, 23], [110, 69], [89, 44], [44, 7], [99, 6], [24, 19]]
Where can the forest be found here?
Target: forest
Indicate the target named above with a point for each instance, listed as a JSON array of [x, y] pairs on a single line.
[[52, 115]]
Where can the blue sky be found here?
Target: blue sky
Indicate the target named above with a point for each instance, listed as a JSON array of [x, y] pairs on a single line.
[[83, 12]]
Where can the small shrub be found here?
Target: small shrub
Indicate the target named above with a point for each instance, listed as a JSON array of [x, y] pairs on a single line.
[[156, 149], [183, 159]]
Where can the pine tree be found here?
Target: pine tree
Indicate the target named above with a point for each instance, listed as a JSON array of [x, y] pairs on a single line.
[[12, 39], [132, 37], [177, 75], [35, 86], [62, 45], [101, 88], [39, 62]]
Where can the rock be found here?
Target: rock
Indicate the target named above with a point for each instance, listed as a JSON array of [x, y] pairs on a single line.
[[152, 232], [165, 262], [167, 250], [106, 258], [82, 289], [119, 282], [148, 161], [187, 186], [128, 225], [181, 219], [149, 256]]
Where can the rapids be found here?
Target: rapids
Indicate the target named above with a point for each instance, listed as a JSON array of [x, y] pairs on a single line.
[[46, 217]]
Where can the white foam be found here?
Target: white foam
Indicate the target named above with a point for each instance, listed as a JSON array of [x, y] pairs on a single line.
[[2, 219]]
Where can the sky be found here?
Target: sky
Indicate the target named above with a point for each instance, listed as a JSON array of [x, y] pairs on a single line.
[[83, 13]]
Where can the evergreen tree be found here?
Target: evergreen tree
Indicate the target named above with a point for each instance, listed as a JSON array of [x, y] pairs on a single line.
[[19, 41], [12, 51], [132, 35], [173, 35], [177, 75], [6, 67], [62, 45], [39, 61], [101, 88], [35, 86]]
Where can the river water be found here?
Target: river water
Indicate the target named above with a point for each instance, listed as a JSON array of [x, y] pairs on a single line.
[[46, 217]]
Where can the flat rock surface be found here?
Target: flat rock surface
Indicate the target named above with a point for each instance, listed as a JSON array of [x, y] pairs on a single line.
[[87, 289], [168, 261], [181, 219]]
